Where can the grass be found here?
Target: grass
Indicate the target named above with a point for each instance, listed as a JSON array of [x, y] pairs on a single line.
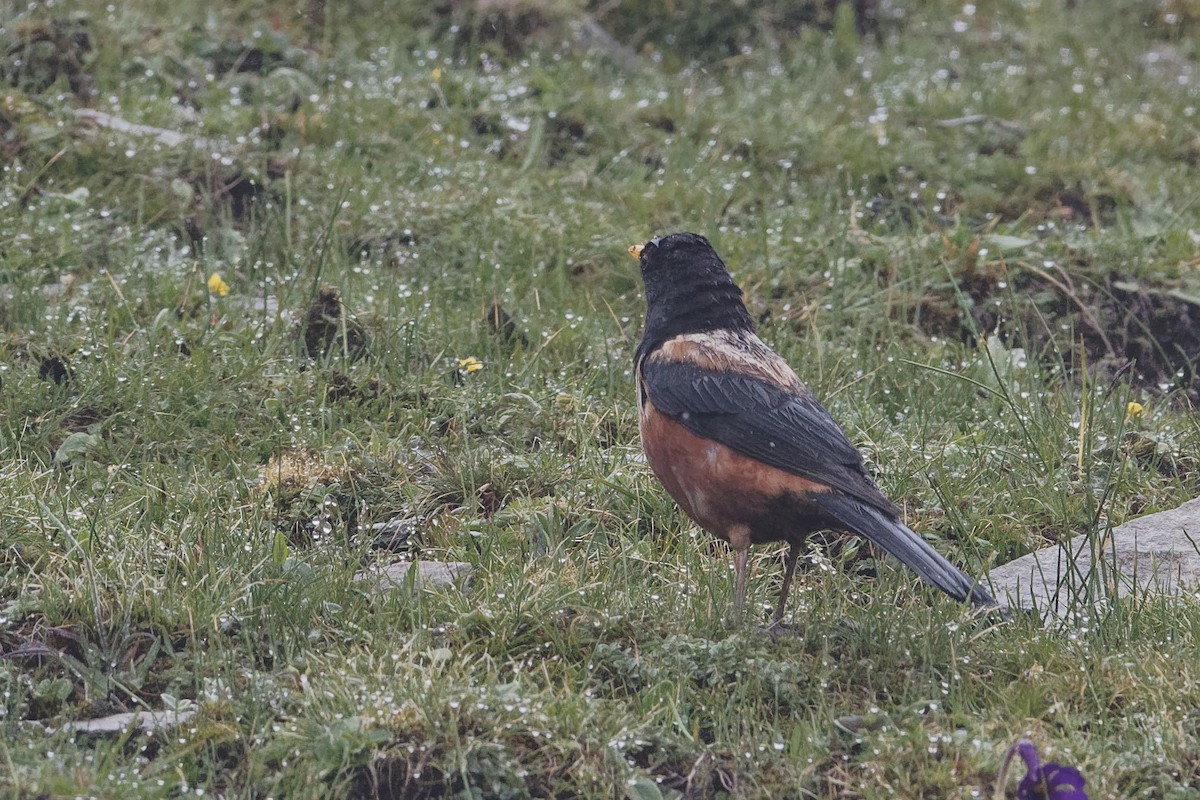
[[188, 480]]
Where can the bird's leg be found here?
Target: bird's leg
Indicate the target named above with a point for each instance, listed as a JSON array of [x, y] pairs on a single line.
[[739, 580], [792, 557]]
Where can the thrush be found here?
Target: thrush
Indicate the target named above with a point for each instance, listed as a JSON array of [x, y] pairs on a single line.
[[739, 441]]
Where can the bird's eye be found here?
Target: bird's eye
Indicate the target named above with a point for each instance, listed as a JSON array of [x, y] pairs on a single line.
[[654, 242]]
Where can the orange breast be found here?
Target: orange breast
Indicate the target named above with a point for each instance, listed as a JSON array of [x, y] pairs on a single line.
[[730, 495]]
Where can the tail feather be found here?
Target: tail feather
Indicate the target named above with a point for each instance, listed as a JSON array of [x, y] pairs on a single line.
[[906, 545]]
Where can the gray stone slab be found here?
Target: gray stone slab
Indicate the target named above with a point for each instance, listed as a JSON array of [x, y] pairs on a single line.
[[429, 574], [1158, 554], [145, 721]]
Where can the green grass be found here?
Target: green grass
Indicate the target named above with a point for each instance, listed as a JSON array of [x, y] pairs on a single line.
[[182, 516]]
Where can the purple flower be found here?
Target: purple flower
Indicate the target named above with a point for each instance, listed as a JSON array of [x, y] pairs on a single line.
[[1042, 781]]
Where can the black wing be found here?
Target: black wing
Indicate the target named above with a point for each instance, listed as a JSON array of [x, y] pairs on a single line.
[[788, 430]]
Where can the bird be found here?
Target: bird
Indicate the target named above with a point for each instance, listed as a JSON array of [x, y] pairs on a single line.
[[738, 440]]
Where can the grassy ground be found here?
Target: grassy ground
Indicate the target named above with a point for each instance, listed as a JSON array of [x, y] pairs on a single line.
[[188, 480]]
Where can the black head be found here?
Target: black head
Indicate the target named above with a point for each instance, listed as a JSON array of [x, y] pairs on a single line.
[[688, 289]]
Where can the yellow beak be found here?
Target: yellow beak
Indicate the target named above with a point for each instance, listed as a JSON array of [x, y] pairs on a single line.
[[635, 250]]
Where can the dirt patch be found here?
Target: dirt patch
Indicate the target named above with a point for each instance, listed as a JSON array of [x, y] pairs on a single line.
[[1114, 325], [35, 53], [328, 328], [55, 368], [504, 326], [340, 387]]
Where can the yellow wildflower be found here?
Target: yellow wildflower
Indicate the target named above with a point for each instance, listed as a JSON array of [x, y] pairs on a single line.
[[217, 285], [436, 74], [470, 364], [1134, 409]]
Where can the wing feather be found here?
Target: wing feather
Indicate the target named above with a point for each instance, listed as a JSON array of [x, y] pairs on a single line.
[[786, 429]]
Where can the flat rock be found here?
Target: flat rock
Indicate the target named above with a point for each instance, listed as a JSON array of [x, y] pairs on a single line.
[[590, 36], [1158, 554], [145, 721], [165, 137], [396, 534], [429, 574]]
